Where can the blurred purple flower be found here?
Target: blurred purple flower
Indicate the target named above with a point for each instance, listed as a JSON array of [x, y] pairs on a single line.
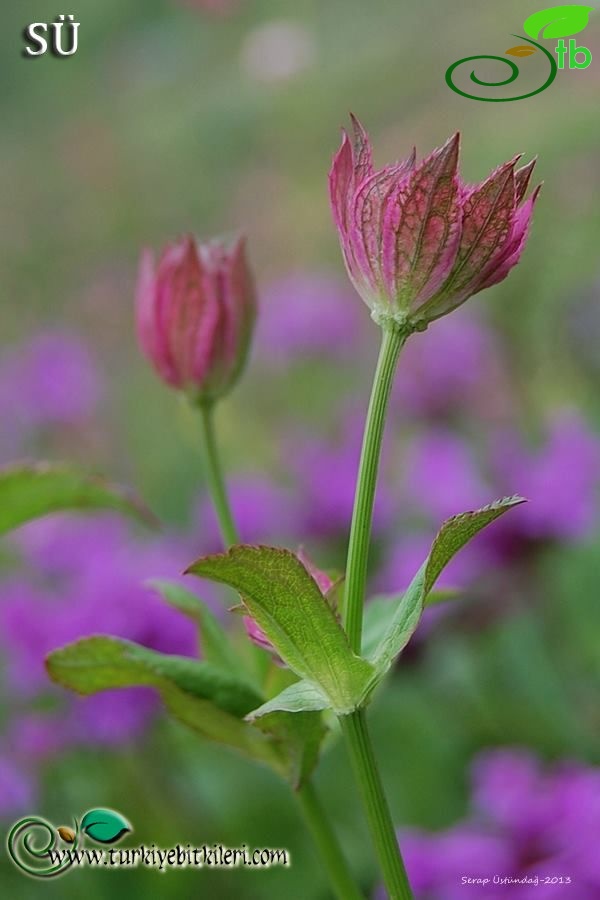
[[90, 578], [560, 479], [441, 476], [263, 511], [405, 560], [112, 717], [34, 736], [454, 367], [306, 315], [524, 822], [325, 473], [17, 790], [50, 380]]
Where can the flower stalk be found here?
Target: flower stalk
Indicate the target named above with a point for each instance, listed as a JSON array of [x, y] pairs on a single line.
[[392, 341], [214, 477], [324, 837], [364, 764]]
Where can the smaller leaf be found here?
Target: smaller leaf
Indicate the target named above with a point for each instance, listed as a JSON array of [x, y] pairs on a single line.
[[302, 696], [558, 21], [101, 662], [380, 611], [452, 537], [105, 826], [30, 491], [199, 695], [521, 50]]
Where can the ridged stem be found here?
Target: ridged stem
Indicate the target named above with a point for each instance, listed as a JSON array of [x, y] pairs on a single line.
[[392, 341], [366, 772]]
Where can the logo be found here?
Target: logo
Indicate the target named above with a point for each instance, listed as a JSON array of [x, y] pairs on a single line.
[[34, 845], [556, 22]]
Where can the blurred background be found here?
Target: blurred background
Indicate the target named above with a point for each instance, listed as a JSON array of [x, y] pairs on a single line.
[[214, 116]]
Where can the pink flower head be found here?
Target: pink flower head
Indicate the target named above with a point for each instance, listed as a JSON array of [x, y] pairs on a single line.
[[195, 313], [416, 240], [324, 583]]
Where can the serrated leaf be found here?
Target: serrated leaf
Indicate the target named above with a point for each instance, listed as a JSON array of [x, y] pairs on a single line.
[[105, 826], [287, 604], [30, 491], [213, 637], [557, 21], [99, 663], [302, 696], [452, 536], [521, 50]]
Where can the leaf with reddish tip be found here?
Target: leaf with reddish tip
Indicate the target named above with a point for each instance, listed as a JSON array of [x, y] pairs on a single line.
[[286, 603], [30, 491], [521, 50], [452, 536]]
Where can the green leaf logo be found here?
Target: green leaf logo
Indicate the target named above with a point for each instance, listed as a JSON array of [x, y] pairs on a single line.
[[557, 21], [105, 826]]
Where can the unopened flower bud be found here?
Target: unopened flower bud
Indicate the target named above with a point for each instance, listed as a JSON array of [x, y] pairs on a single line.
[[195, 313]]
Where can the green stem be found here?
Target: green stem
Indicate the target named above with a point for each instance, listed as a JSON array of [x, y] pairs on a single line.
[[320, 827], [340, 877], [360, 531], [354, 728], [215, 480]]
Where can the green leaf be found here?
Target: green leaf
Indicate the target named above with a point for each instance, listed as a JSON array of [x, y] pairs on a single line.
[[287, 604], [28, 492], [302, 696], [380, 611], [213, 724], [200, 696], [104, 825], [213, 637], [99, 663], [452, 536], [299, 736], [557, 21]]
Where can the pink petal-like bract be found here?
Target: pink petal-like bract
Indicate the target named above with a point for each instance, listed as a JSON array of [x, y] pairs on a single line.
[[416, 240], [195, 313]]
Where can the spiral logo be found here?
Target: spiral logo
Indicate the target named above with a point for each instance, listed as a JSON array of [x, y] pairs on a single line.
[[554, 22], [514, 74], [31, 842]]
